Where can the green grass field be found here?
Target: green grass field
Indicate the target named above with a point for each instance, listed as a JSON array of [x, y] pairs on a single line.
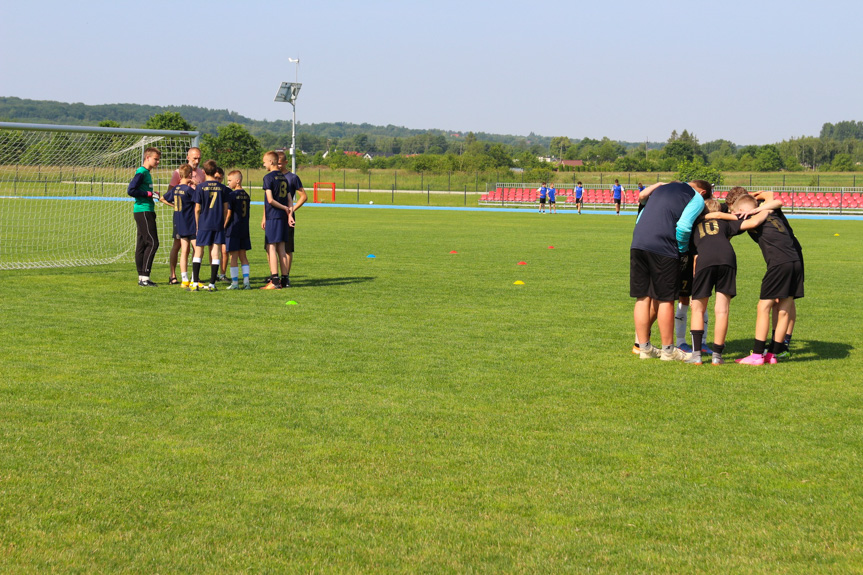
[[418, 412]]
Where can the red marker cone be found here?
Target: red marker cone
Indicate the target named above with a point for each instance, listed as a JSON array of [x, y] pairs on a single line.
[[453, 252], [522, 263]]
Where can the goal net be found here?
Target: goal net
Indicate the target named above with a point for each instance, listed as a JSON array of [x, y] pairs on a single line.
[[63, 199]]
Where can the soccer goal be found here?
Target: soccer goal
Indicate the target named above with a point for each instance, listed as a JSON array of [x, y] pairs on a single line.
[[63, 198]]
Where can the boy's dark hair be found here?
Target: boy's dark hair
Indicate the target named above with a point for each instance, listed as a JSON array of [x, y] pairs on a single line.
[[579, 182], [210, 167], [220, 171], [703, 185], [734, 194], [615, 181], [237, 173], [185, 171], [152, 152]]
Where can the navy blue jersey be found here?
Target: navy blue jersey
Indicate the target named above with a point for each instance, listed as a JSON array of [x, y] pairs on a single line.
[[239, 202], [212, 196], [665, 224], [277, 184], [183, 198], [294, 183]]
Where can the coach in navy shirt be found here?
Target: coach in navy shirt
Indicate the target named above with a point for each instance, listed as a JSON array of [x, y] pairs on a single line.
[[660, 239]]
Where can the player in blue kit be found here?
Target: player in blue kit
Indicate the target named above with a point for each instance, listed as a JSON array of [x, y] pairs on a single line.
[[211, 212], [542, 192], [617, 194], [552, 201], [278, 217], [579, 196], [181, 198], [237, 230]]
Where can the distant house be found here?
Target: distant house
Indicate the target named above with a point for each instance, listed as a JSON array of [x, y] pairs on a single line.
[[572, 163]]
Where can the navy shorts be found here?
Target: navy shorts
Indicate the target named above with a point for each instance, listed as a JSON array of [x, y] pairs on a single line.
[[238, 243], [276, 231], [210, 237]]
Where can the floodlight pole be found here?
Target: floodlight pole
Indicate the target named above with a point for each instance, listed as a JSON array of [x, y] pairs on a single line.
[[294, 92], [288, 92]]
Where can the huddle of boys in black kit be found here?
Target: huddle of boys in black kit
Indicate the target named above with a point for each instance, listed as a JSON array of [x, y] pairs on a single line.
[[714, 268]]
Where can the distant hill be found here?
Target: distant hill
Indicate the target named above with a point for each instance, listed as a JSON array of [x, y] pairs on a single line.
[[206, 120]]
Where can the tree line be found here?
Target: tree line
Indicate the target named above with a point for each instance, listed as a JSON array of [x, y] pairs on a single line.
[[234, 140]]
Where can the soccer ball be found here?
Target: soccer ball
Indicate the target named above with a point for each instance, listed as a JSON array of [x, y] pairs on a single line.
[[370, 202]]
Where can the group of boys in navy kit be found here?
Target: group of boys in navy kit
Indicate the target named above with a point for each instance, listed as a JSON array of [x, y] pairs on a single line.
[[205, 215], [278, 221]]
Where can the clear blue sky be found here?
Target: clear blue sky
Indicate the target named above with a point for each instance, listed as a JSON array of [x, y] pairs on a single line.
[[751, 72]]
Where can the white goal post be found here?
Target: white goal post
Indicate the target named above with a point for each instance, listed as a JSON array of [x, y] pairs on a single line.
[[63, 198]]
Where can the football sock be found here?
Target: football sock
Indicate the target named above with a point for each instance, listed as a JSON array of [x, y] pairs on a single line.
[[245, 274], [235, 275], [645, 346], [680, 323], [214, 271], [758, 346], [718, 349], [196, 270], [185, 276], [667, 349], [274, 279], [697, 340], [777, 347]]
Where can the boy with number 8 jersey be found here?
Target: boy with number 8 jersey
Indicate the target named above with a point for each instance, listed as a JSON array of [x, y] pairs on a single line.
[[278, 218]]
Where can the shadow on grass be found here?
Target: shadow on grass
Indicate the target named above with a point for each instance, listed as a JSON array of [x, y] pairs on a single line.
[[322, 282], [801, 349]]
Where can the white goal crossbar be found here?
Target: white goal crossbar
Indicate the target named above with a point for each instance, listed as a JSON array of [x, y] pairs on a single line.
[[63, 198]]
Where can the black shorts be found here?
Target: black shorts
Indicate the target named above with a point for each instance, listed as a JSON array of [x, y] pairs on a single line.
[[723, 278], [579, 200], [617, 201], [542, 200], [686, 262], [289, 240], [782, 281], [652, 275], [552, 202]]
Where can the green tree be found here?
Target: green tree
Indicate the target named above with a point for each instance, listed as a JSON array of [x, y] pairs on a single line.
[[168, 121], [768, 159], [233, 147], [698, 170], [559, 145], [109, 124], [842, 163]]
